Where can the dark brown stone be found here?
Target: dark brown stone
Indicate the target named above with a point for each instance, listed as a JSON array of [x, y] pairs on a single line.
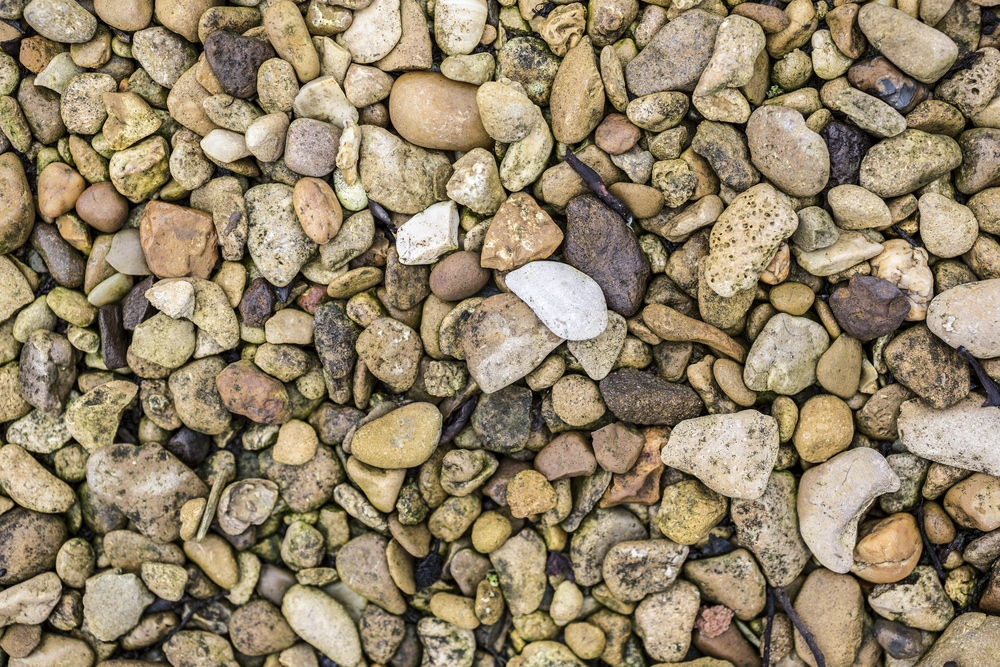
[[869, 307], [29, 542], [642, 398], [880, 78], [405, 285], [600, 244], [616, 134], [136, 308], [66, 264], [114, 346], [249, 391], [257, 303], [928, 367], [847, 145], [234, 60]]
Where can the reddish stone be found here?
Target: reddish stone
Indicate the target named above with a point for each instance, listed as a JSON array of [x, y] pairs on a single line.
[[177, 241], [568, 455], [641, 484], [311, 299], [249, 391]]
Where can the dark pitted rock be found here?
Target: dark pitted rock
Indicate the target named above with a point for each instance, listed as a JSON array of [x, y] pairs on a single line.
[[145, 483], [249, 391], [29, 542], [642, 398], [928, 367], [847, 144], [114, 344], [305, 487], [676, 56], [869, 307], [136, 308], [234, 60], [879, 77], [66, 264], [336, 336], [257, 303], [726, 150], [600, 244], [503, 419]]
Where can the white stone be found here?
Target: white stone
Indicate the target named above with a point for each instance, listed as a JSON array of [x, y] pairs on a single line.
[[58, 73], [322, 622], [968, 316], [966, 435], [375, 31], [567, 301], [265, 137], [174, 299], [225, 146], [732, 454], [833, 497], [429, 234], [323, 99], [458, 25]]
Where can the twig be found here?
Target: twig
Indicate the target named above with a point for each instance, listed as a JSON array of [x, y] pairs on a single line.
[[594, 182], [793, 615], [989, 386], [380, 214], [458, 419], [928, 547], [766, 655], [906, 237]]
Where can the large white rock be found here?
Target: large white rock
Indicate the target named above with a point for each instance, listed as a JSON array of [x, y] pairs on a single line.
[[968, 316], [374, 32], [225, 145], [569, 302], [322, 621], [429, 234], [731, 454], [323, 99], [833, 497], [966, 435]]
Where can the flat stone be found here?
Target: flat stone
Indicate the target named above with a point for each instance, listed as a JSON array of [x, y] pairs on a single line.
[[324, 623], [917, 48], [785, 354], [962, 435], [632, 570], [566, 300], [642, 398], [968, 316], [520, 232], [677, 55], [428, 235], [404, 438], [731, 454]]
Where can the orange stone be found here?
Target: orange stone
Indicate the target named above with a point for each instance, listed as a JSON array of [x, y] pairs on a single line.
[[177, 241], [521, 232], [432, 111], [37, 52], [641, 484], [249, 391]]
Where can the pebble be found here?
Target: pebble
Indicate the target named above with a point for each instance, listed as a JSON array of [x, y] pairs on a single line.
[[322, 622], [434, 112], [825, 428], [919, 603], [788, 153], [895, 34], [832, 610], [520, 232], [30, 485], [404, 438], [428, 235], [60, 20], [928, 367], [910, 160], [577, 98], [677, 55], [520, 566], [633, 570], [732, 454], [567, 301], [664, 621], [688, 511], [829, 514], [963, 317], [869, 307], [276, 240], [784, 355], [246, 390], [641, 398], [114, 603], [947, 229], [887, 550]]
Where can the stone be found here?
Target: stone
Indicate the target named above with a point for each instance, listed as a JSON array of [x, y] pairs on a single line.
[[664, 621], [688, 511], [903, 163], [869, 307], [577, 99], [894, 33], [476, 182], [788, 153], [114, 603], [947, 228], [761, 215], [567, 301], [429, 234], [234, 60], [434, 112], [17, 211], [887, 550], [731, 454], [122, 475], [276, 240], [30, 485], [520, 566], [784, 355], [404, 438], [732, 579], [246, 390], [595, 537], [769, 527], [825, 428], [374, 32], [504, 341], [641, 398], [633, 570], [965, 316], [929, 368], [322, 622], [833, 611], [90, 419], [829, 507], [919, 601], [178, 241], [396, 174], [677, 55], [520, 232]]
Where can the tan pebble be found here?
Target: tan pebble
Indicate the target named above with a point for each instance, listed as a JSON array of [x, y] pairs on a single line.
[[455, 609], [577, 400], [975, 502], [190, 516], [825, 428], [297, 443], [59, 186], [729, 375], [586, 640], [490, 531], [318, 209], [792, 298], [887, 550], [937, 524], [529, 493]]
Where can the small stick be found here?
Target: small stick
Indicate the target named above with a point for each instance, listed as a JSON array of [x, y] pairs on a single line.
[[928, 547], [766, 655], [906, 237], [382, 216], [992, 393], [800, 626], [594, 182]]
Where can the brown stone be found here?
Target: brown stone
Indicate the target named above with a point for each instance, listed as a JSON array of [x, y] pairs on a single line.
[[641, 484], [869, 307], [102, 207], [318, 209], [568, 455], [178, 241], [458, 276], [617, 446], [616, 134], [37, 52], [771, 19], [59, 186], [249, 391], [880, 78], [975, 502], [887, 550], [671, 325], [845, 31], [521, 232], [258, 302], [432, 111]]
